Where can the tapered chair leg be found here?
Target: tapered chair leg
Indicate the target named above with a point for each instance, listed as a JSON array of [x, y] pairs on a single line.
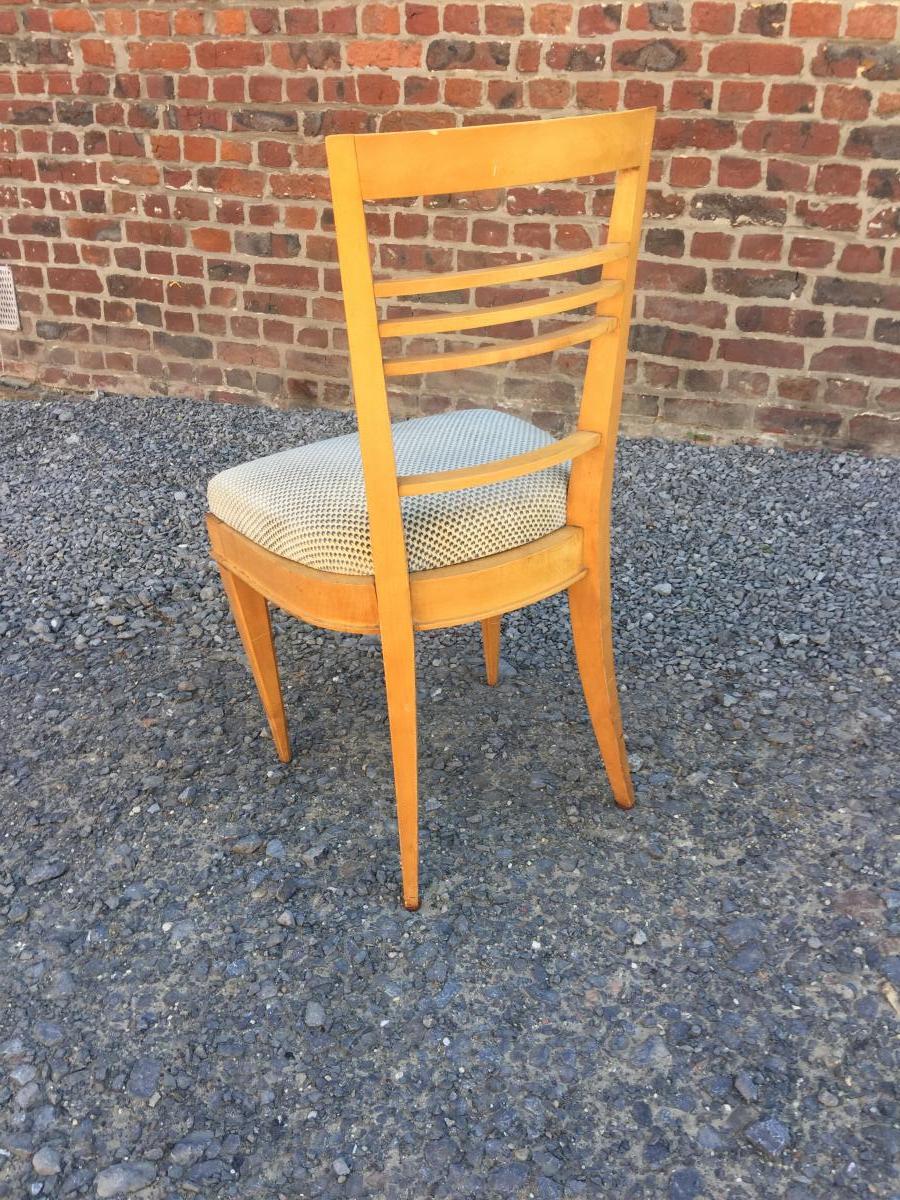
[[251, 615], [398, 648], [592, 635], [490, 637]]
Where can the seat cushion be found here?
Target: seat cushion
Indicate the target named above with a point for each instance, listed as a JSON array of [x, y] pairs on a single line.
[[309, 504]]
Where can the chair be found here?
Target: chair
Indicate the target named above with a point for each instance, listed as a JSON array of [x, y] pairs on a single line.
[[460, 517]]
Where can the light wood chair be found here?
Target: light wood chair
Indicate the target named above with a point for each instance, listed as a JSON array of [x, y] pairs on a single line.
[[392, 599]]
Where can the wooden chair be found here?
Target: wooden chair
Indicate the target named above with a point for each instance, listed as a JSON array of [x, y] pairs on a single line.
[[268, 547]]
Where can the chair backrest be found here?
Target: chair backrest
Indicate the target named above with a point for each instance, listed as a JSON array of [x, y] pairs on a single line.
[[375, 167]]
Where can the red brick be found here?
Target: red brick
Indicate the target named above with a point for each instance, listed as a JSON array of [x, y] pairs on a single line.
[[707, 16], [764, 247], [216, 56], [691, 93], [810, 252], [378, 90], [596, 19], [599, 95], [791, 98], [551, 18], [791, 137], [339, 20], [845, 217], [845, 103], [838, 179], [461, 18], [385, 54], [423, 19], [861, 259], [755, 58], [689, 172], [72, 20], [739, 172], [872, 21], [507, 20], [740, 96], [158, 56], [761, 352], [712, 245], [549, 93], [815, 20]]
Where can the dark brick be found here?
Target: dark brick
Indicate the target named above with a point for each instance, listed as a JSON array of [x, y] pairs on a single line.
[[743, 210], [868, 60], [855, 293], [874, 141], [265, 121], [747, 281], [659, 55], [670, 343], [887, 329], [857, 360], [868, 431], [184, 347], [669, 242], [219, 270], [798, 422], [706, 414]]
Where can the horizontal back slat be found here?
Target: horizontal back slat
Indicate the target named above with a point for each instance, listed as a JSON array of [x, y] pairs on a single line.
[[483, 356], [431, 162], [535, 268], [482, 318]]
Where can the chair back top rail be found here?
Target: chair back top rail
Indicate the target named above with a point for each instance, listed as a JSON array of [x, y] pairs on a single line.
[[432, 162]]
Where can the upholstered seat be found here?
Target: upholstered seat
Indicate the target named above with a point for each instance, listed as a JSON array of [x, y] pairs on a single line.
[[309, 504]]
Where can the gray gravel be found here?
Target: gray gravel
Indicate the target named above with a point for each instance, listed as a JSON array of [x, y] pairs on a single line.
[[209, 986]]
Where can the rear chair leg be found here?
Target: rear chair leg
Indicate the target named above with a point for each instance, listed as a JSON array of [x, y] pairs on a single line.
[[490, 637], [399, 651], [592, 634], [251, 615]]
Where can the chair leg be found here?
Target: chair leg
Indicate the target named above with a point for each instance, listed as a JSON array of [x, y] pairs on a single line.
[[490, 637], [251, 615], [399, 651], [592, 635]]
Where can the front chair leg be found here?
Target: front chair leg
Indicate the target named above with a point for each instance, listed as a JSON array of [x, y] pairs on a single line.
[[592, 635], [251, 615], [490, 637], [399, 651]]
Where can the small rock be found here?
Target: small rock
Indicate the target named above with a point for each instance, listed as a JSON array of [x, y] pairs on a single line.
[[745, 1087], [685, 1184], [663, 589], [340, 1168], [143, 1078], [286, 918], [248, 844], [639, 938], [122, 1179], [770, 1136], [314, 1015], [275, 848], [42, 872], [312, 854], [47, 1161]]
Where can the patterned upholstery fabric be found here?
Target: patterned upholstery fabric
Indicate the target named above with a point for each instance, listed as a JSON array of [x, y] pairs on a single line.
[[309, 504]]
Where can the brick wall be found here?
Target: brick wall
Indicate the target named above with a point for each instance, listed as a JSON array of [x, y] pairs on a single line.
[[166, 207]]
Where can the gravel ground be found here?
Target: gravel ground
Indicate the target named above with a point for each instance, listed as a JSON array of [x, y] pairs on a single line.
[[209, 986]]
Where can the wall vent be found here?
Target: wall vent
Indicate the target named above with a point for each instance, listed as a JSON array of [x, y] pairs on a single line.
[[9, 306]]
